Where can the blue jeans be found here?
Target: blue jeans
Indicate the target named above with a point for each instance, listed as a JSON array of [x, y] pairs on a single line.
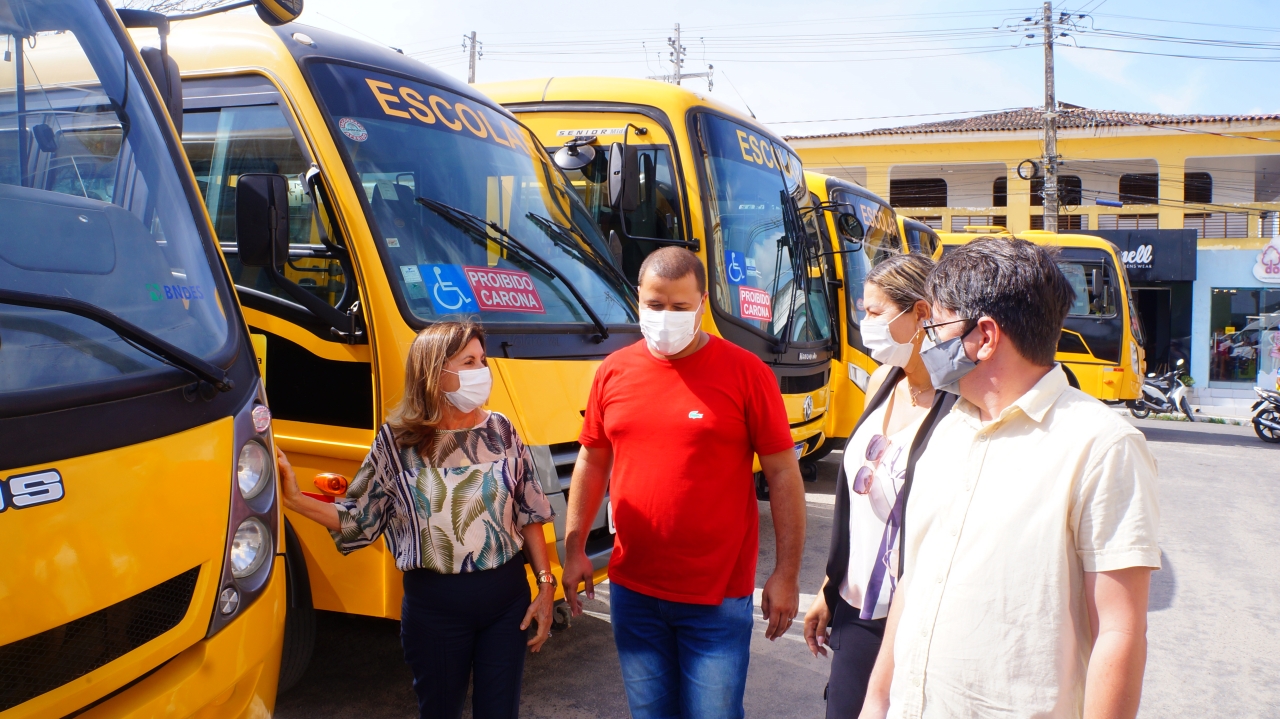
[[682, 661]]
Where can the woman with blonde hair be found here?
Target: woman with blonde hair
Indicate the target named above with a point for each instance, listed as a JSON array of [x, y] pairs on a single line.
[[848, 614], [453, 489]]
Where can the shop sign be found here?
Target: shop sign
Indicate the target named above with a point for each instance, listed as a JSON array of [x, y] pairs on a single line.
[[1154, 255], [1267, 268]]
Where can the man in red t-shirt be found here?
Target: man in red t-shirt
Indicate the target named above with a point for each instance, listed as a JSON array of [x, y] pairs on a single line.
[[678, 419]]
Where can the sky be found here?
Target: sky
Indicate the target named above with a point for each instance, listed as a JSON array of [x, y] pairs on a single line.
[[818, 67]]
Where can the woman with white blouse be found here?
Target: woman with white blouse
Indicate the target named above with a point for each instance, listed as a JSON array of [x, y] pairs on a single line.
[[453, 490], [848, 614]]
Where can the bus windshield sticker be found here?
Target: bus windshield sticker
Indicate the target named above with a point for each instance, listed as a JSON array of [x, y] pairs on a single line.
[[504, 290], [735, 267], [754, 304], [449, 291], [353, 129], [413, 286], [592, 132]]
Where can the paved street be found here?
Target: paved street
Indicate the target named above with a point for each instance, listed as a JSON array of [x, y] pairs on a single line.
[[1214, 636]]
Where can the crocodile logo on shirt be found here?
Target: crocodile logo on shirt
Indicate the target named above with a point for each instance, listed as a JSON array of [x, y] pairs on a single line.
[[695, 414]]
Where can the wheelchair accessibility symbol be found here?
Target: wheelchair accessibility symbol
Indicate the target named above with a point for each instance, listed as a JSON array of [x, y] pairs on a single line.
[[449, 290], [734, 267]]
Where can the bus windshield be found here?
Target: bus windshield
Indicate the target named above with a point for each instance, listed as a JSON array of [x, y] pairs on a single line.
[[430, 164], [93, 209], [1096, 286], [755, 279], [880, 240]]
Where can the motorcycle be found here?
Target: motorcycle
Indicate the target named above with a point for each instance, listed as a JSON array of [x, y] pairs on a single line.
[[1266, 415], [1165, 394]]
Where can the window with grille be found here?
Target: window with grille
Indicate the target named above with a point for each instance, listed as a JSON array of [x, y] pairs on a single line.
[[1129, 222], [1217, 224], [1197, 187], [1065, 222], [923, 192], [1140, 188], [1000, 192], [933, 222], [959, 222]]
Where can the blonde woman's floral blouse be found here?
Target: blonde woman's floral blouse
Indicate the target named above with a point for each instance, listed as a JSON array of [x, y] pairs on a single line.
[[462, 511]]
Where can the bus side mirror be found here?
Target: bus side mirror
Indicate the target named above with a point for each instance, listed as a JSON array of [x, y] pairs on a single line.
[[262, 220], [278, 12], [624, 178], [160, 65], [850, 227]]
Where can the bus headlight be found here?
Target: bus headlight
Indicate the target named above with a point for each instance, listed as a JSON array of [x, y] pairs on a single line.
[[249, 548], [253, 469], [1133, 358]]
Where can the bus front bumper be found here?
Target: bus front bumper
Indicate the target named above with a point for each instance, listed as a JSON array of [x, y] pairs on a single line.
[[231, 674]]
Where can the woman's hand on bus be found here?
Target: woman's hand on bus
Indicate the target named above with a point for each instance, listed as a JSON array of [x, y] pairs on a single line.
[[289, 492], [816, 621], [540, 611]]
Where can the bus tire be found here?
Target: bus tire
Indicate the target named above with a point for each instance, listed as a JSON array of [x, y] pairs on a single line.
[[561, 617], [300, 615], [1071, 377], [762, 487]]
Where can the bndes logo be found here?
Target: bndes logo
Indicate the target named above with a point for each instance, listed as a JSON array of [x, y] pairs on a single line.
[[1139, 258], [29, 490]]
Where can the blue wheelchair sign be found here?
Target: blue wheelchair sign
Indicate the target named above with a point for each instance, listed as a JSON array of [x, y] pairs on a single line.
[[735, 267], [448, 289]]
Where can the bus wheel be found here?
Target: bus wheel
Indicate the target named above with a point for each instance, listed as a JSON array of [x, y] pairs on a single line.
[[561, 617], [1071, 377], [300, 615], [809, 470]]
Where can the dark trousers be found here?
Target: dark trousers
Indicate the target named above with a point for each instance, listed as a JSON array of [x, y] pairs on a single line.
[[855, 643], [452, 625]]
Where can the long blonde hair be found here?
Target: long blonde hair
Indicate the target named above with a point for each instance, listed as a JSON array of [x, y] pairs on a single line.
[[414, 420]]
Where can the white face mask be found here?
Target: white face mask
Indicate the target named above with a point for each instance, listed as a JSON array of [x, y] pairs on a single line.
[[884, 348], [668, 332], [473, 389]]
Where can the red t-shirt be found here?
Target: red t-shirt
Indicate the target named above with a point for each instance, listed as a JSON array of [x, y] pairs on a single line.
[[683, 434]]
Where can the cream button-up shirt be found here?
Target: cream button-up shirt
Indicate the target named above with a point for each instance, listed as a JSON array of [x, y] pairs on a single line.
[[1004, 519]]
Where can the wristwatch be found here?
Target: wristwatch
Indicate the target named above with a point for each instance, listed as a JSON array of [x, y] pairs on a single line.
[[546, 577]]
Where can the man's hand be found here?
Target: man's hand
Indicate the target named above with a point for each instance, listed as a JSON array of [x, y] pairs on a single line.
[[577, 568], [779, 603], [816, 621]]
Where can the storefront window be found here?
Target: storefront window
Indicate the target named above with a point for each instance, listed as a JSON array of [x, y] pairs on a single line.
[[1237, 333]]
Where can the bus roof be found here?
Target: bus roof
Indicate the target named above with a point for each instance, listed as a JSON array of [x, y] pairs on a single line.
[[674, 100], [1040, 237], [824, 184], [234, 41]]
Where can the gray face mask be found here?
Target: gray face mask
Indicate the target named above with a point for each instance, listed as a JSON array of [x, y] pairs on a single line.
[[947, 363]]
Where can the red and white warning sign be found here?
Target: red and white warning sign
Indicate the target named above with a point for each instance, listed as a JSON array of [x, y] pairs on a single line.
[[754, 304], [504, 290]]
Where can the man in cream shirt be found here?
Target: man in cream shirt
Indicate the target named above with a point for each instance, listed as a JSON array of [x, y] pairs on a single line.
[[1031, 525]]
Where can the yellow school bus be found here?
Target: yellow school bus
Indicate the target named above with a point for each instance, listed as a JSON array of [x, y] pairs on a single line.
[[144, 572], [859, 229], [657, 164], [1101, 343], [411, 198]]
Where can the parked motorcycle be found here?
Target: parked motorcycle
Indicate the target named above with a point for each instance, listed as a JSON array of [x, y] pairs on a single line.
[[1165, 394], [1266, 415]]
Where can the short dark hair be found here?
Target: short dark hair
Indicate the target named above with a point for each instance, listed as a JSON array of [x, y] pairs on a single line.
[[673, 263], [1014, 282]]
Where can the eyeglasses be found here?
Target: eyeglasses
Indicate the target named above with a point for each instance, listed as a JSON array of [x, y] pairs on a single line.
[[866, 473], [931, 331]]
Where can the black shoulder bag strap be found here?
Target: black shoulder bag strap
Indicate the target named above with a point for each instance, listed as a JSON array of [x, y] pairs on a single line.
[[838, 554]]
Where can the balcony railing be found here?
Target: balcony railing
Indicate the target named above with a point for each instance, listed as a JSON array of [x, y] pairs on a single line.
[[1220, 221]]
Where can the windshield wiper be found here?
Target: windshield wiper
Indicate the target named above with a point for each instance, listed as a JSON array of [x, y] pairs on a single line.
[[479, 228], [132, 333], [568, 238]]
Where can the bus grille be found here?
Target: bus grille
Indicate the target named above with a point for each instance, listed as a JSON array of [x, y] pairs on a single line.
[[803, 384], [32, 666]]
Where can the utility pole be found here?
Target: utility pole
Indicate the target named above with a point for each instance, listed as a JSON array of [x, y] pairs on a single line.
[[677, 54], [1050, 127], [471, 65]]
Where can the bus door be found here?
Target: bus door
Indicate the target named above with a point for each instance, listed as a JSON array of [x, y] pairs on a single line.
[[1093, 335], [650, 215], [320, 378], [879, 239]]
